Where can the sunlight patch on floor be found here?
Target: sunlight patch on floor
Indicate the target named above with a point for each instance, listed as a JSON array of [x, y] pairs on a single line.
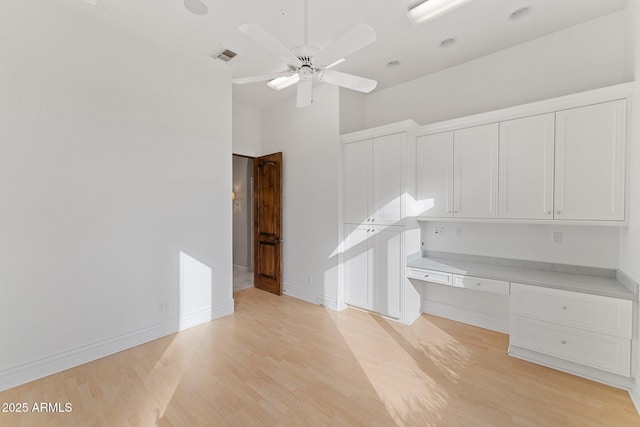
[[422, 369]]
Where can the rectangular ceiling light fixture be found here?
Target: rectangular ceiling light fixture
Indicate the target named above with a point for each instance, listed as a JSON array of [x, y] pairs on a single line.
[[432, 9]]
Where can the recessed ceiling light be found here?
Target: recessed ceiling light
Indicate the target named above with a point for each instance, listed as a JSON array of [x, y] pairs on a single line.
[[448, 42], [196, 7], [284, 12], [393, 64], [520, 13]]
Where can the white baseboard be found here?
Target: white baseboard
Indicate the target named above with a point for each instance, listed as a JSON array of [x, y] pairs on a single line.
[[634, 392], [240, 267], [30, 371], [467, 316], [309, 296]]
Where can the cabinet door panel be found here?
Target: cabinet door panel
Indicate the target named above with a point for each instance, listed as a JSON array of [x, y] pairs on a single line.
[[357, 178], [526, 167], [387, 179], [357, 265], [476, 172], [435, 175], [590, 162], [387, 279]]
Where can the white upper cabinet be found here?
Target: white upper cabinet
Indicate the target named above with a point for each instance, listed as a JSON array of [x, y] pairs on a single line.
[[387, 179], [457, 173], [357, 179], [526, 168], [434, 187], [475, 172], [590, 162], [373, 181]]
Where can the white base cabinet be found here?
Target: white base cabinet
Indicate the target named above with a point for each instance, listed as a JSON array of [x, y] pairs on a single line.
[[374, 268], [580, 333]]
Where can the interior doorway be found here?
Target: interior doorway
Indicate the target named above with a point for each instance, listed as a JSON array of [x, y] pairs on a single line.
[[243, 239]]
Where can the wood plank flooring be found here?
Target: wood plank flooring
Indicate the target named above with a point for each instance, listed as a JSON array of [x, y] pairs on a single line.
[[315, 367]]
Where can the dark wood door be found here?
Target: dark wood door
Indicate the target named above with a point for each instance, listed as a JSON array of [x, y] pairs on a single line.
[[267, 217]]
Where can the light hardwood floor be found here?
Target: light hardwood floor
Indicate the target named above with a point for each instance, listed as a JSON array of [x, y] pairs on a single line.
[[279, 361]]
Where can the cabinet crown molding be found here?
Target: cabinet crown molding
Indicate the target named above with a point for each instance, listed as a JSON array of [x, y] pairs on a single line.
[[403, 126], [596, 96]]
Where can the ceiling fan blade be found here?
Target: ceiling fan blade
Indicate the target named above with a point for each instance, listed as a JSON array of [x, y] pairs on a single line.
[[347, 80], [354, 40], [253, 79], [305, 93], [264, 39]]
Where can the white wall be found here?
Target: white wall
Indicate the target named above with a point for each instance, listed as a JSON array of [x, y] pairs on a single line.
[[115, 177], [247, 131], [242, 188], [309, 140], [630, 236], [583, 57], [353, 111], [581, 245]]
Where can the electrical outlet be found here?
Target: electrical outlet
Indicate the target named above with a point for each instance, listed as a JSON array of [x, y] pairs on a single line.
[[557, 237], [163, 306], [459, 232], [438, 231]]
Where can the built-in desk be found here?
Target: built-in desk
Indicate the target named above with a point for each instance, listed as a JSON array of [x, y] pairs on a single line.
[[572, 318]]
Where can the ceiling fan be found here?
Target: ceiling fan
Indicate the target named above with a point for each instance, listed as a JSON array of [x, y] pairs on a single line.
[[304, 63]]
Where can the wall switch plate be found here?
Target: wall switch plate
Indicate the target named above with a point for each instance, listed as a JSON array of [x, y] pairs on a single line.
[[438, 231], [557, 237], [459, 232]]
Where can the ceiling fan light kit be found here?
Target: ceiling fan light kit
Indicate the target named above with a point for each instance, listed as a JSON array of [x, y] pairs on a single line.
[[432, 9], [306, 63]]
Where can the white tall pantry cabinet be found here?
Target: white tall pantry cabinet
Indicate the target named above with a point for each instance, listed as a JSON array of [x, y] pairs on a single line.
[[378, 189]]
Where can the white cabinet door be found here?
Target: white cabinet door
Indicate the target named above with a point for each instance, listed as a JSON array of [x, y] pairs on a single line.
[[590, 162], [387, 179], [475, 172], [357, 181], [526, 167], [358, 264], [435, 175], [387, 279]]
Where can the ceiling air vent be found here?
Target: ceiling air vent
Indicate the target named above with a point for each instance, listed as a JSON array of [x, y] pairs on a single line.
[[223, 54]]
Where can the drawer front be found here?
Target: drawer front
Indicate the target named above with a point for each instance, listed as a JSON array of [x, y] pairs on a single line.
[[611, 354], [429, 275], [481, 284], [591, 312]]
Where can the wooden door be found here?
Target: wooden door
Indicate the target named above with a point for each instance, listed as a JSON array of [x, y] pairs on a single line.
[[435, 175], [475, 172], [267, 217], [590, 162], [526, 167]]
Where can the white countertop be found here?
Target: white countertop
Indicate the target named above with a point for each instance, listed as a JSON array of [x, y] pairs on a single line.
[[604, 286]]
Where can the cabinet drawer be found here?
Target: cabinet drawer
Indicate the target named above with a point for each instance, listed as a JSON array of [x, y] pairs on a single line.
[[591, 312], [612, 354], [429, 275], [481, 284]]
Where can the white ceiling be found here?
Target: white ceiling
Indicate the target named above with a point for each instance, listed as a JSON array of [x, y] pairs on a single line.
[[480, 27]]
